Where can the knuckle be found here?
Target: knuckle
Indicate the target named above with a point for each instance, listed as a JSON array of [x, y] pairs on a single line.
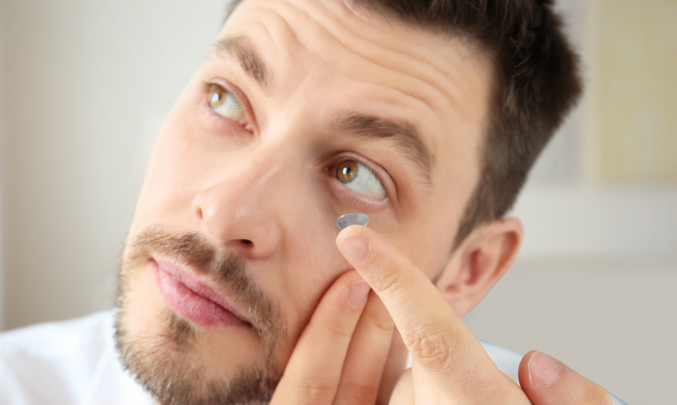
[[386, 282], [431, 349]]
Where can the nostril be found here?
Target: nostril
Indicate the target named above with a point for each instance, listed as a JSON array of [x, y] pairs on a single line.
[[246, 242]]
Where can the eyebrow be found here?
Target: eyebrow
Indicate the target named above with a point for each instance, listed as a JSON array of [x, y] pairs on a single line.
[[404, 135], [243, 50]]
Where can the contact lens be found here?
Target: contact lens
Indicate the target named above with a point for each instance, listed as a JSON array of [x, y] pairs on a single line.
[[354, 218]]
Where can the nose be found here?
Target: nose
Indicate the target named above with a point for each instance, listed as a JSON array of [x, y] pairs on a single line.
[[238, 205]]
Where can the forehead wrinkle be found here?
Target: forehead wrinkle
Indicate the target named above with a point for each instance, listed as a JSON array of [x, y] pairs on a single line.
[[336, 66], [293, 33], [284, 39], [275, 20], [403, 47], [337, 63], [399, 56], [284, 28]]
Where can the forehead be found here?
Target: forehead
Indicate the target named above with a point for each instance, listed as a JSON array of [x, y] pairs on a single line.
[[331, 56]]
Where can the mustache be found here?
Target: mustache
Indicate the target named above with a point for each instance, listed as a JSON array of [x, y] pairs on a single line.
[[227, 269]]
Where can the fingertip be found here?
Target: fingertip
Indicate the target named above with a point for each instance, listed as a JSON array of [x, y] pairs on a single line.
[[351, 230], [546, 380], [354, 244], [536, 393], [539, 370], [544, 371]]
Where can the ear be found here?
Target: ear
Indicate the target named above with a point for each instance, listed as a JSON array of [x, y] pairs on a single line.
[[481, 260]]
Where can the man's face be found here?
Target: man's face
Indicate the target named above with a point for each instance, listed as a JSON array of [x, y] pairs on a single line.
[[303, 111]]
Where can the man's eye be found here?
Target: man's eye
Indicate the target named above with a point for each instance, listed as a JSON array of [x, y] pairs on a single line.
[[225, 103], [360, 179]]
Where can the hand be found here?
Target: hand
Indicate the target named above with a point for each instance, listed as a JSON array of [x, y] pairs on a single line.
[[348, 353], [449, 364]]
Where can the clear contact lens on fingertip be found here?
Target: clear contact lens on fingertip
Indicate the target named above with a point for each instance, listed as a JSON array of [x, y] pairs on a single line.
[[353, 218]]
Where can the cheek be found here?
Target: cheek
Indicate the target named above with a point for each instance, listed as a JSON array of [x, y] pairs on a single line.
[[317, 263], [163, 185], [175, 166], [428, 241]]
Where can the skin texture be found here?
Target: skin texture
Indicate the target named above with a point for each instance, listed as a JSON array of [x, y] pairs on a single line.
[[262, 186]]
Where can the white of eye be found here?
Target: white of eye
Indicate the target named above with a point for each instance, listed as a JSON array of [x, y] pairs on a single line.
[[226, 104], [360, 179]]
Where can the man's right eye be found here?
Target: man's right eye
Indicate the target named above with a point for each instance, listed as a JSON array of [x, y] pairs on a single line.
[[360, 179], [224, 103]]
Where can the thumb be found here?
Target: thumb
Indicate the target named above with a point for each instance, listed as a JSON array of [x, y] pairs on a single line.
[[547, 381]]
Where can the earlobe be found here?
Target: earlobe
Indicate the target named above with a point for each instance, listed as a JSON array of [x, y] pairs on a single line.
[[480, 261]]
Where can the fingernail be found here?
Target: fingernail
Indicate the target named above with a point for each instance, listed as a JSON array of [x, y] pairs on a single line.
[[358, 293], [543, 370], [355, 248]]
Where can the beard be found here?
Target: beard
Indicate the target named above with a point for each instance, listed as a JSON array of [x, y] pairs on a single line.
[[166, 362]]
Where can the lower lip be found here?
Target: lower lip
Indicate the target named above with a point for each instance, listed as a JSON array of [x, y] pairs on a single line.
[[191, 306]]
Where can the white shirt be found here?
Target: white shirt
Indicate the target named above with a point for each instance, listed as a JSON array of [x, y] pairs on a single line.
[[72, 362], [75, 362]]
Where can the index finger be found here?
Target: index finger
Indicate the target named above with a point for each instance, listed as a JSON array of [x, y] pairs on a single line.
[[437, 338]]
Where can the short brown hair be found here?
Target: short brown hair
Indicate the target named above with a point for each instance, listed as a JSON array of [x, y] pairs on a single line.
[[537, 82]]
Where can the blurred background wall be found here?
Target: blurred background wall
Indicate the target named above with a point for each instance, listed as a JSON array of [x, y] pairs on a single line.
[[85, 86], [2, 177]]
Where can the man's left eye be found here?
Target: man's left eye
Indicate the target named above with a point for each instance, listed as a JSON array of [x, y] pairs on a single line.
[[224, 103], [360, 179]]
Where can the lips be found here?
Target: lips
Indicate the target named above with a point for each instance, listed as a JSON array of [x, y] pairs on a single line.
[[194, 300]]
